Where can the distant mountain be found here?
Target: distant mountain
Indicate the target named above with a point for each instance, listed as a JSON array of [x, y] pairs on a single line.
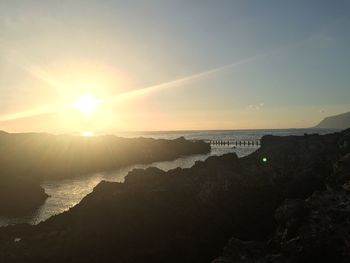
[[341, 121]]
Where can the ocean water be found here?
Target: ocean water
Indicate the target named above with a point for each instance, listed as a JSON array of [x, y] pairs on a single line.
[[224, 134], [66, 193]]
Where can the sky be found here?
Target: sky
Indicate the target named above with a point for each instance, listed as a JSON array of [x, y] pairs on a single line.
[[172, 65]]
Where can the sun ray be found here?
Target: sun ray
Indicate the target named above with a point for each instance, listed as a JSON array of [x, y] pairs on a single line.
[[42, 74]]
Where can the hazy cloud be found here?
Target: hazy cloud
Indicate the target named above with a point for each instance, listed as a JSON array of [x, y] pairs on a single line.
[[256, 106]]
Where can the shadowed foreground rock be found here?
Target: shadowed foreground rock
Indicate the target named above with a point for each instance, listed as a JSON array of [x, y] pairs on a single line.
[[316, 229], [283, 209], [19, 196]]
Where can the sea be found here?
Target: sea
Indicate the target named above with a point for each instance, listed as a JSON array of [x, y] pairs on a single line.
[[66, 193]]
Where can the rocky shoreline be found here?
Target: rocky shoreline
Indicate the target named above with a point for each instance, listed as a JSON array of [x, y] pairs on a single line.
[[286, 202], [28, 158]]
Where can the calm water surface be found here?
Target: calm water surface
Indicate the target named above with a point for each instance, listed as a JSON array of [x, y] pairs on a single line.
[[66, 193]]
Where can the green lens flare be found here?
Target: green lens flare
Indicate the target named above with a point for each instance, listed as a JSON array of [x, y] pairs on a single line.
[[264, 159]]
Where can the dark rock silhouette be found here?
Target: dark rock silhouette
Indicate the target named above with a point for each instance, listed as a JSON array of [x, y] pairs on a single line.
[[341, 121], [267, 206], [20, 196], [316, 229], [55, 156], [312, 230], [28, 158]]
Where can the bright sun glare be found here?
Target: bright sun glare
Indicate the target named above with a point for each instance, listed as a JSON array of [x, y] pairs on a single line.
[[87, 134], [86, 104]]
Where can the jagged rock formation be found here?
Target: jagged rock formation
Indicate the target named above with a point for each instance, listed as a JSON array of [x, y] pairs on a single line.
[[341, 121], [316, 229], [188, 215], [28, 158]]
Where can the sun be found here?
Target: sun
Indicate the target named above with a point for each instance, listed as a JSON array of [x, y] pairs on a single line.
[[87, 134], [86, 104]]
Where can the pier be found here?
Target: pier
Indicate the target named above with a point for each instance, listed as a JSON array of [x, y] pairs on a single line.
[[236, 143]]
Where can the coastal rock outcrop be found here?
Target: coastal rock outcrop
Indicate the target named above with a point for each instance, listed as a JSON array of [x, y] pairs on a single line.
[[279, 204], [27, 159], [315, 229], [48, 156]]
